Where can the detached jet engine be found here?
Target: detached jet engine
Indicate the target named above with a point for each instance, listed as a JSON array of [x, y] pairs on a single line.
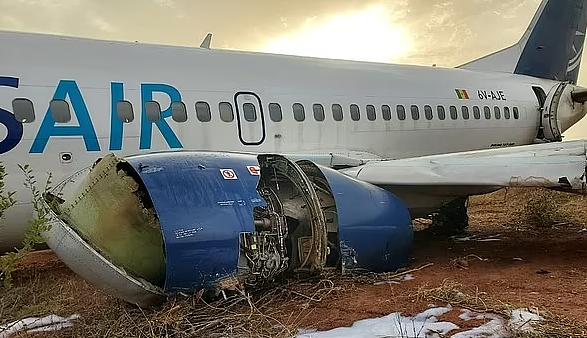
[[149, 226]]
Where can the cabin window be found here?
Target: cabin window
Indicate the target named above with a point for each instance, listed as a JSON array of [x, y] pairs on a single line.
[[153, 111], [337, 112], [487, 112], [226, 111], [125, 111], [355, 112], [179, 112], [298, 111], [318, 112], [476, 113], [428, 112], [371, 114], [24, 111], [415, 112], [465, 111], [453, 113], [506, 113], [497, 112], [60, 111], [516, 113], [275, 112], [386, 112], [250, 112], [441, 112], [401, 112], [203, 112]]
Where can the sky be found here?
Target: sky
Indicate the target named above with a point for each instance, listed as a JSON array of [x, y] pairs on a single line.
[[421, 32]]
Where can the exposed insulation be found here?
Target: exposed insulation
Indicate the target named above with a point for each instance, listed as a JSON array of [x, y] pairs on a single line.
[[108, 213]]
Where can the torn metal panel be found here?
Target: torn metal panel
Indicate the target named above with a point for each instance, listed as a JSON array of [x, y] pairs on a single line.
[[551, 165], [227, 221]]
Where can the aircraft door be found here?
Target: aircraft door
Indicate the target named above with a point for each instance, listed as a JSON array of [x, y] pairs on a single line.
[[250, 118], [550, 129]]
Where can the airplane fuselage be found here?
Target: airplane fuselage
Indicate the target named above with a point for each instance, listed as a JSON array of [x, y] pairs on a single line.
[[239, 101]]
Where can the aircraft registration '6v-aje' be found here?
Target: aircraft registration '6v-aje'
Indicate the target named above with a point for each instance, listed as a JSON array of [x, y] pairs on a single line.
[[278, 162]]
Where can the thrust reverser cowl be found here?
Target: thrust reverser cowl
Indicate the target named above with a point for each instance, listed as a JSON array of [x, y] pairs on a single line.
[[152, 225]]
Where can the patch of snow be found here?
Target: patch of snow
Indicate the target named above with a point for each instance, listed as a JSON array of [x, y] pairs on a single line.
[[35, 324]]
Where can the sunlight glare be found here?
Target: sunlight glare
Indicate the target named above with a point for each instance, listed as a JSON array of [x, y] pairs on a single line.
[[369, 35]]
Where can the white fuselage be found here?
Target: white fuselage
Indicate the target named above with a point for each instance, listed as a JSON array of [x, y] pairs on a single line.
[[103, 72]]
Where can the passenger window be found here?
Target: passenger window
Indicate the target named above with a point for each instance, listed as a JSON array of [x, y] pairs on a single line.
[[453, 113], [516, 113], [487, 112], [355, 112], [153, 111], [415, 112], [476, 113], [371, 114], [497, 113], [386, 112], [337, 112], [401, 112], [125, 111], [226, 111], [203, 112], [24, 111], [318, 112], [465, 111], [179, 113], [249, 112], [441, 112], [506, 113], [60, 111], [298, 111], [275, 112], [428, 112]]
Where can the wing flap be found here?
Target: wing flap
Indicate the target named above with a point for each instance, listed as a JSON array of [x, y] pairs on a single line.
[[553, 165]]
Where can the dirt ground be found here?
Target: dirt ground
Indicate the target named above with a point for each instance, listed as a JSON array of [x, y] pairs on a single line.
[[527, 248]]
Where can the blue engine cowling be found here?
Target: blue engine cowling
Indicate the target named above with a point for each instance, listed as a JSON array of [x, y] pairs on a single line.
[[230, 218]]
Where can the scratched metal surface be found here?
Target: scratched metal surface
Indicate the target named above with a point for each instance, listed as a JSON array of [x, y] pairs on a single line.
[[375, 227], [201, 213]]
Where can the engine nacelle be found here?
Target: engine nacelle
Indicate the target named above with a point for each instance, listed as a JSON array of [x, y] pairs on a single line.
[[561, 111], [152, 225]]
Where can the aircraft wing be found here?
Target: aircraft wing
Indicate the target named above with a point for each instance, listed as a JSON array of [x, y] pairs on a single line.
[[558, 166]]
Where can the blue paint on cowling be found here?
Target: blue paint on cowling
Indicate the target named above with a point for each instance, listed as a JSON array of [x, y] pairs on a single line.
[[373, 223], [200, 225]]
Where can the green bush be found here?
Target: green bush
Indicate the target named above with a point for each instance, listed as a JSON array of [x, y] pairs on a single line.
[[10, 261]]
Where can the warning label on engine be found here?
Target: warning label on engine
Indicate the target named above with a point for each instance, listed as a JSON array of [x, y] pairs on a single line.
[[228, 174]]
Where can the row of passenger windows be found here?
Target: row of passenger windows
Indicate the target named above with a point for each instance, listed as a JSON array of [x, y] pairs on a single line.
[[24, 112]]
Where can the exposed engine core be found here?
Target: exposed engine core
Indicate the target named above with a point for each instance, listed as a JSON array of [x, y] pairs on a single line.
[[154, 225]]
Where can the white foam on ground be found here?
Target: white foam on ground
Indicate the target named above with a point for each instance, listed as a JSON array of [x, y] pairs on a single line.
[[35, 324], [426, 325], [393, 325]]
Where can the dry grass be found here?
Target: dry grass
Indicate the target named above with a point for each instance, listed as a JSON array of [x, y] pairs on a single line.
[[272, 311], [551, 326]]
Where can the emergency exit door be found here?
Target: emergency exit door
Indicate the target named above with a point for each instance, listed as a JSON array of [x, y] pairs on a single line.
[[250, 118]]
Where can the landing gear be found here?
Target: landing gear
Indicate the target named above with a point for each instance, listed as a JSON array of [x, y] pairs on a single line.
[[452, 219]]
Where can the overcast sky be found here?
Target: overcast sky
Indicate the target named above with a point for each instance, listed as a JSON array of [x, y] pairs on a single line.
[[421, 32]]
